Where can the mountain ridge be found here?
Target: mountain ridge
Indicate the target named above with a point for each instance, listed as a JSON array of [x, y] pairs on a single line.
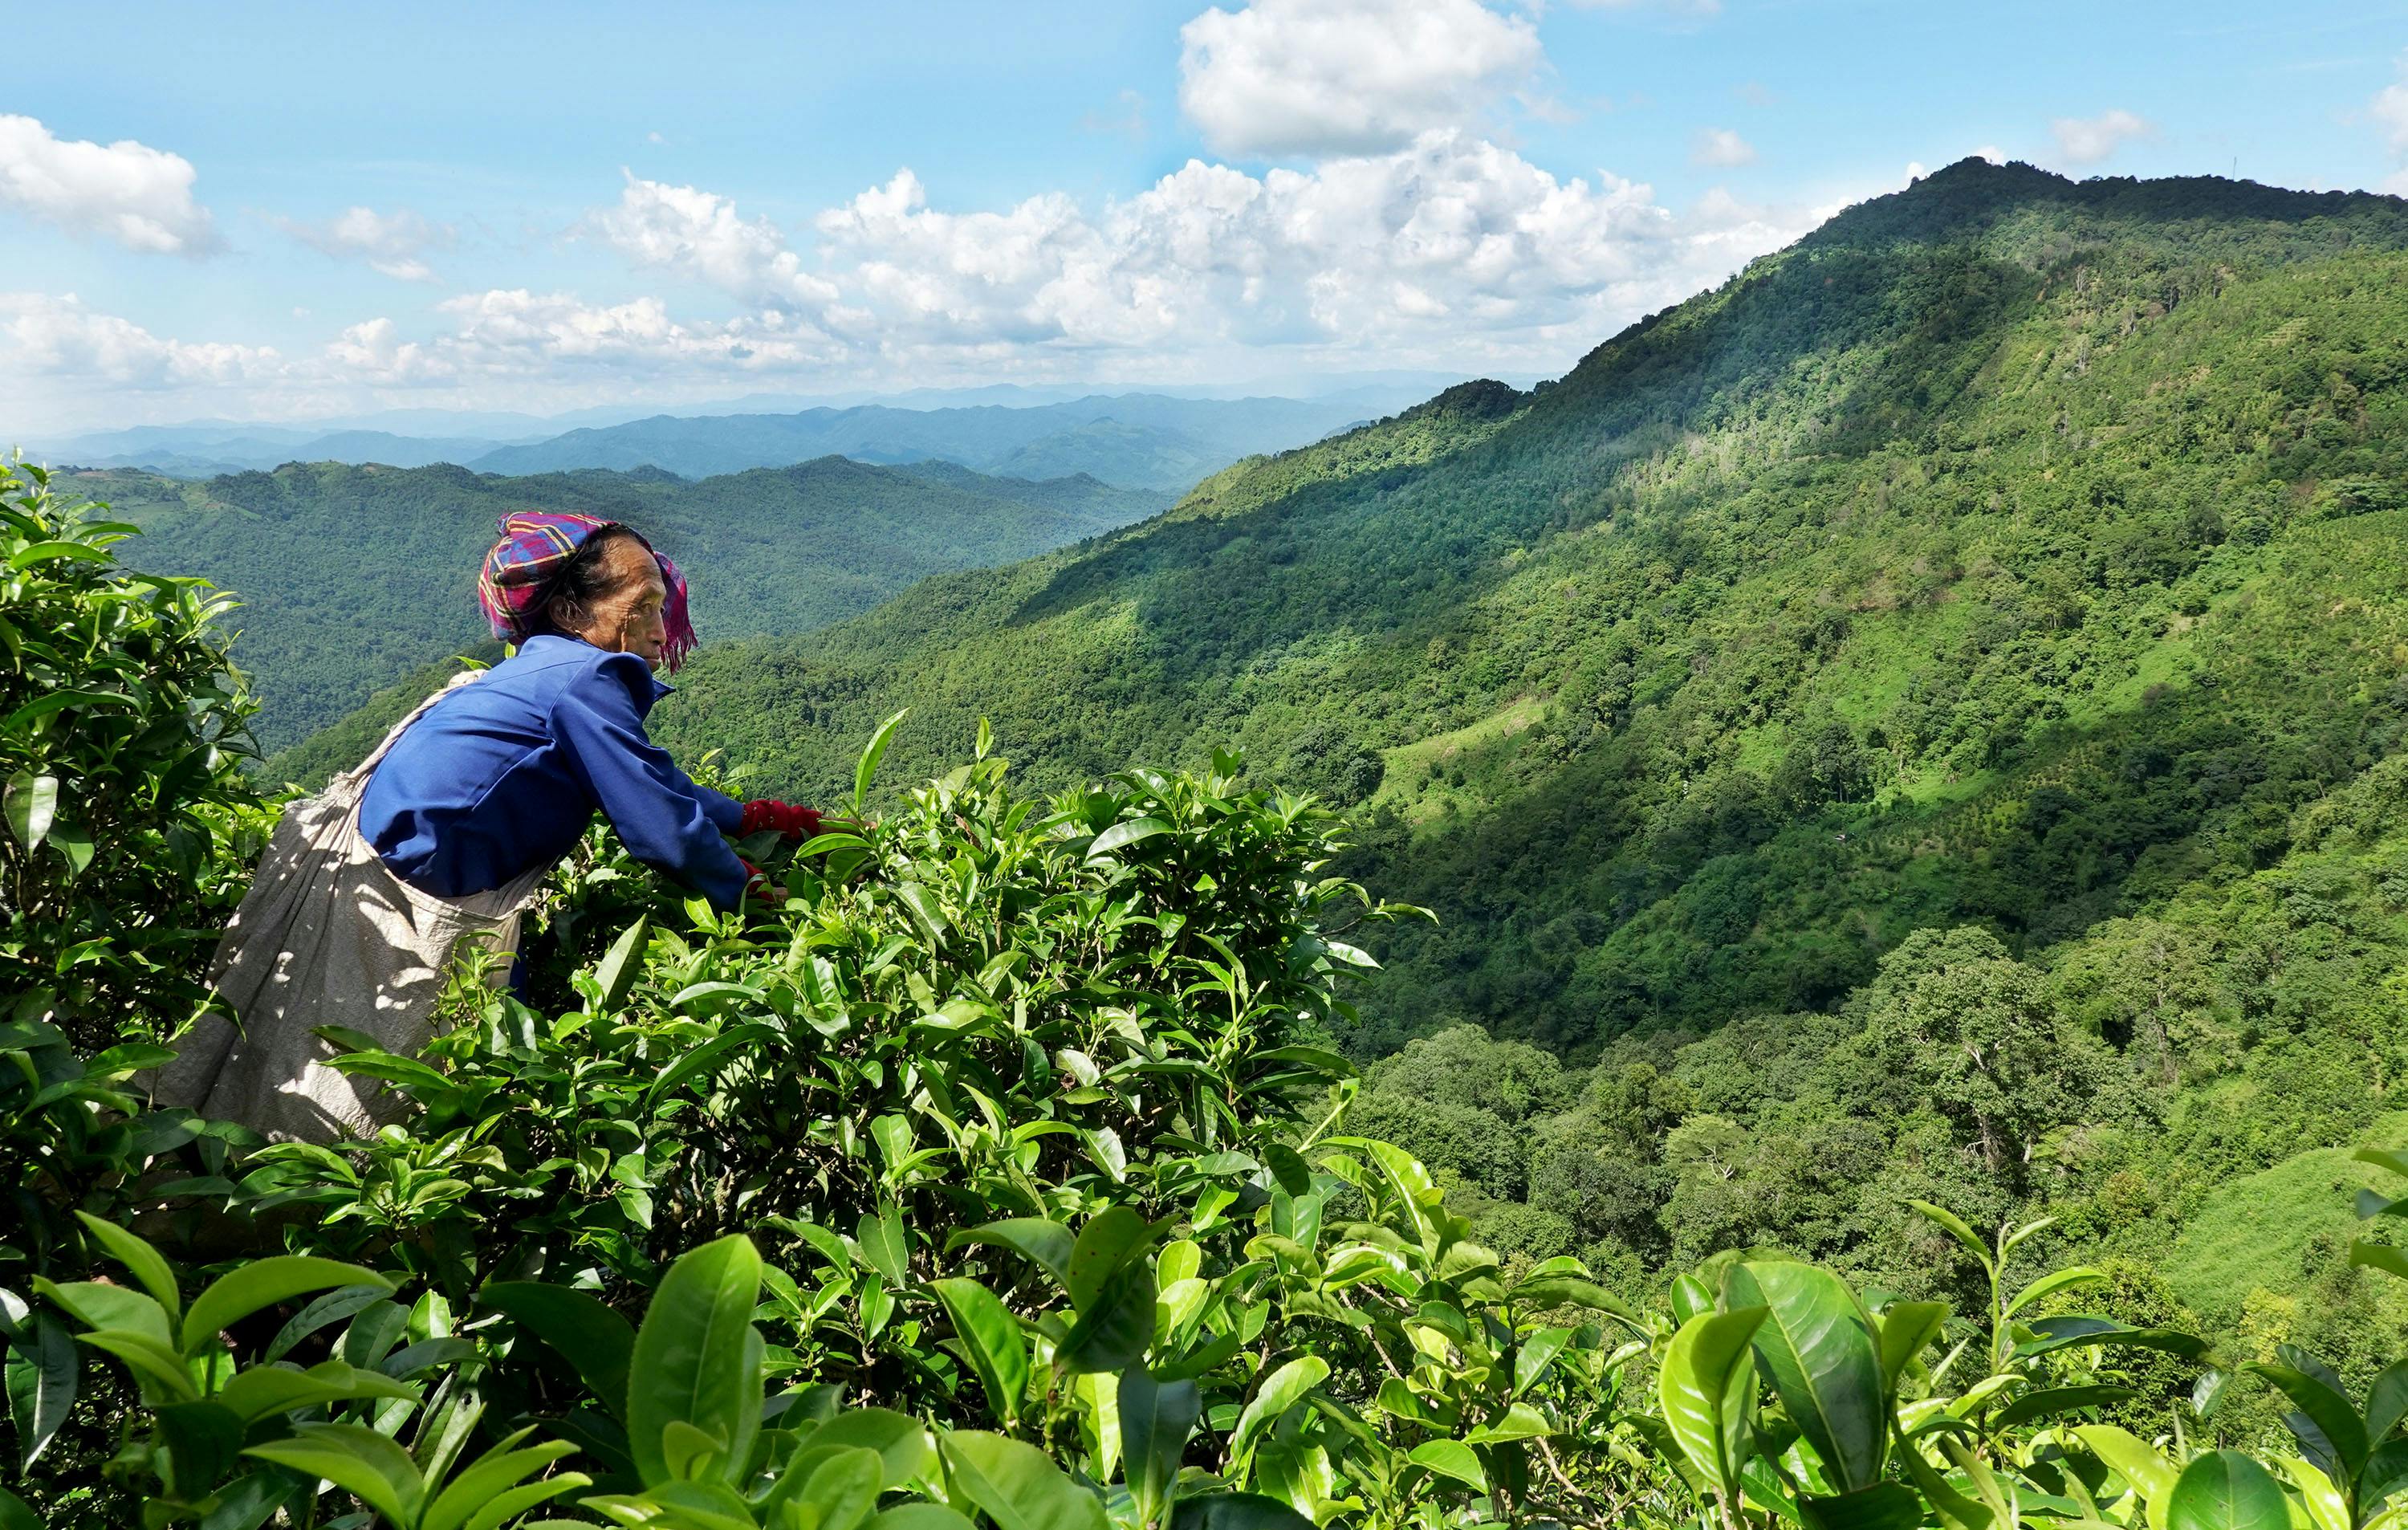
[[1163, 442]]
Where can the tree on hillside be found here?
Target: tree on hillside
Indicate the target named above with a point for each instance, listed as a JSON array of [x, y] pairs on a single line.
[[1954, 1019]]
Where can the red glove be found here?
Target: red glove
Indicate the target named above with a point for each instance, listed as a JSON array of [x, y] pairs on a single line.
[[769, 813]]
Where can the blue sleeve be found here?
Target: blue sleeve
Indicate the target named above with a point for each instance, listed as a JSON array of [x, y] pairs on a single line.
[[724, 810], [665, 820]]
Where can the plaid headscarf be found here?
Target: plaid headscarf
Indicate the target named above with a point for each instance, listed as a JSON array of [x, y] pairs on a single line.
[[535, 546]]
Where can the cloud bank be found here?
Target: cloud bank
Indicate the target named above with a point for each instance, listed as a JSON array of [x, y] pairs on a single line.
[[1360, 207]]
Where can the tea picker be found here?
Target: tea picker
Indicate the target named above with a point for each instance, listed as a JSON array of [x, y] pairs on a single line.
[[439, 840]]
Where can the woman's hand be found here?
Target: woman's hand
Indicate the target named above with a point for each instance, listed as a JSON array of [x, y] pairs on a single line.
[[769, 813], [760, 886]]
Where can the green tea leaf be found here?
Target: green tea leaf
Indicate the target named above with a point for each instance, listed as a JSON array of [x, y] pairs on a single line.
[[1450, 1458], [1015, 1485], [2328, 1409], [259, 1392], [2050, 1283], [1047, 1243], [1884, 1505], [1955, 1228], [1707, 1389], [1816, 1348], [991, 1336], [883, 1245], [1121, 835], [360, 1461], [2050, 1402], [264, 1282], [1156, 1418], [33, 803], [1110, 1238], [147, 1263], [697, 1359], [1114, 1327], [620, 966], [1280, 1392], [1236, 1511], [868, 769], [2150, 1475], [844, 1489], [900, 1440], [41, 1371], [2225, 1490], [595, 1340], [2067, 1332], [1906, 1328]]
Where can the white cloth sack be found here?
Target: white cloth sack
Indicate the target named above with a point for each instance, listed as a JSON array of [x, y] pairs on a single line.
[[326, 935]]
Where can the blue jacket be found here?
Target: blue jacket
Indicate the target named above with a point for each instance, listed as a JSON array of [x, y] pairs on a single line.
[[502, 776]]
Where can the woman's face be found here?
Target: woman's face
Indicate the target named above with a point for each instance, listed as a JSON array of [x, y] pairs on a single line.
[[629, 618]]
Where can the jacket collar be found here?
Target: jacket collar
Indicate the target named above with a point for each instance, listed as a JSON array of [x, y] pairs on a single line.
[[560, 646]]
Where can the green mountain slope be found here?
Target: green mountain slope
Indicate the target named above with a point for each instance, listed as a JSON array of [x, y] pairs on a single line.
[[1925, 720], [1996, 517], [353, 577]]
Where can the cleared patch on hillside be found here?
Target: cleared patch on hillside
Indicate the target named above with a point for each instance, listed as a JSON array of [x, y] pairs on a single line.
[[1419, 779], [2264, 1233]]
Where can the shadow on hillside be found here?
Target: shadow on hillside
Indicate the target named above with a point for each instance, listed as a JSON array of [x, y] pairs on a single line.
[[1408, 552]]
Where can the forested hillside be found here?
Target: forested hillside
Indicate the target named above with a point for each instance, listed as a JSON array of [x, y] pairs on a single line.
[[351, 577], [2011, 557]]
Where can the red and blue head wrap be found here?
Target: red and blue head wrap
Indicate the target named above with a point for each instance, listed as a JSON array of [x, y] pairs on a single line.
[[535, 546]]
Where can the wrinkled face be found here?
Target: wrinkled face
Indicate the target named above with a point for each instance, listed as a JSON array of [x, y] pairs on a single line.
[[628, 620]]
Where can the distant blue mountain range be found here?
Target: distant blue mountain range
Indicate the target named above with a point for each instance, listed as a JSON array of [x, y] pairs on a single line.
[[1153, 440]]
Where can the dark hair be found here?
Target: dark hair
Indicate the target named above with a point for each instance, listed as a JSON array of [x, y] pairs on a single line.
[[584, 579]]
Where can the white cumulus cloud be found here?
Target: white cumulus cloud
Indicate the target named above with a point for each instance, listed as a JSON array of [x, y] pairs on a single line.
[[62, 337], [1722, 148], [1450, 251], [2389, 109], [1281, 78], [394, 244], [2087, 140], [129, 191], [698, 236]]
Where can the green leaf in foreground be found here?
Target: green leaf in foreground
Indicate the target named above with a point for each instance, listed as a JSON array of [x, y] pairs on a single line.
[[1015, 1485], [2225, 1490], [991, 1336], [264, 1282], [1706, 1388], [697, 1359]]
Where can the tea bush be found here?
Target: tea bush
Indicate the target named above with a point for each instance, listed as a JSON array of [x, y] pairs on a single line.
[[130, 827], [130, 823]]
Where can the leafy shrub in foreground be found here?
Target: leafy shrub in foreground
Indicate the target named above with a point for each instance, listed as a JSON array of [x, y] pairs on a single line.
[[129, 828], [130, 824]]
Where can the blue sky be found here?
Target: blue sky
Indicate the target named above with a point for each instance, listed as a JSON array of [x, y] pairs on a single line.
[[287, 211]]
